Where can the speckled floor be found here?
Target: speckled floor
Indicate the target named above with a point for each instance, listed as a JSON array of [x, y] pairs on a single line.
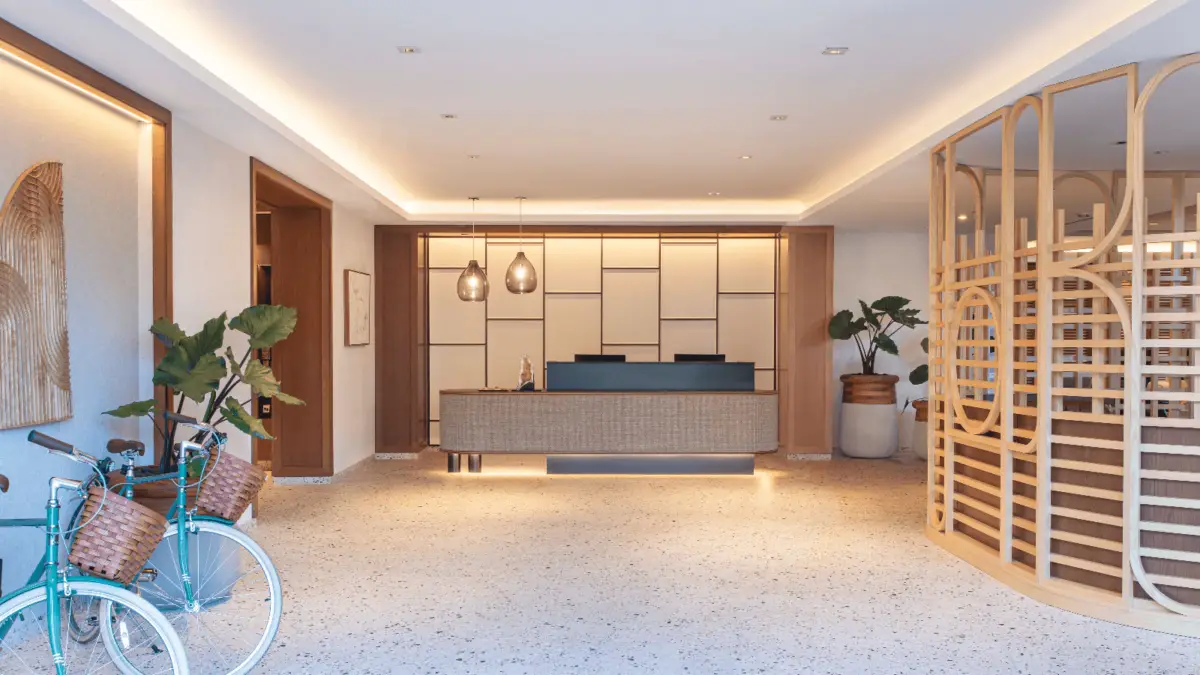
[[806, 567]]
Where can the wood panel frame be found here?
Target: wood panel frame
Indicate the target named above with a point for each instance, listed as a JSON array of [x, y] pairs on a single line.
[[804, 349], [270, 186], [58, 65]]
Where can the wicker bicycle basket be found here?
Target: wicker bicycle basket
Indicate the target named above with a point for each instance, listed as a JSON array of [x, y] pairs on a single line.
[[230, 487], [116, 543]]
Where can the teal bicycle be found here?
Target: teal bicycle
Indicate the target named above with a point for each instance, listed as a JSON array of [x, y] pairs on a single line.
[[36, 620], [215, 584]]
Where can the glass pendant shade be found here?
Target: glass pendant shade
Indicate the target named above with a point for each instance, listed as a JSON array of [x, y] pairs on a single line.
[[473, 283], [521, 277]]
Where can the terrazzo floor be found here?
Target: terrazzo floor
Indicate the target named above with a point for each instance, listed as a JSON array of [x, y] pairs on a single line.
[[806, 567]]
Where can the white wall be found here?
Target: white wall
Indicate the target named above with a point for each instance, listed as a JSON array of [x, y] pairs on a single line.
[[212, 239], [99, 149], [870, 265], [353, 367]]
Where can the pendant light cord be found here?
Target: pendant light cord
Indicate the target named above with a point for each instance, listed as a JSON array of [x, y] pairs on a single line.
[[521, 224], [473, 201]]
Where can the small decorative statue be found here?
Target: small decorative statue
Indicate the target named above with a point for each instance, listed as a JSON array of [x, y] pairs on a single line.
[[525, 379]]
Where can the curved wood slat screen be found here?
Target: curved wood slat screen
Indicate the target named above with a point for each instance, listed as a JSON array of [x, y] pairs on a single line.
[[1064, 444], [35, 369]]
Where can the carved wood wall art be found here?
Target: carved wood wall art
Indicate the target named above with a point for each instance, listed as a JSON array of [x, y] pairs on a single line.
[[1064, 435], [35, 369]]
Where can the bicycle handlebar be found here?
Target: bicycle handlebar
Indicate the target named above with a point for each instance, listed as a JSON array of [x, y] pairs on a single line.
[[180, 419], [51, 443]]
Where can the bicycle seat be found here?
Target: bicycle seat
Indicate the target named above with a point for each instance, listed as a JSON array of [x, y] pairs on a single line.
[[3, 483], [118, 446]]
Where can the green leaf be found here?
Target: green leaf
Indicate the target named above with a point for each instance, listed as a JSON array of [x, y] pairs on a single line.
[[135, 409], [868, 315], [887, 344], [244, 421], [920, 374], [265, 324], [890, 304], [167, 331], [206, 342], [232, 361], [925, 345], [260, 378], [193, 381], [841, 325], [287, 398]]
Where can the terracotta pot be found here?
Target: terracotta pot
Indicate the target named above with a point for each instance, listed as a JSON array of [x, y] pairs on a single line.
[[921, 407], [869, 389]]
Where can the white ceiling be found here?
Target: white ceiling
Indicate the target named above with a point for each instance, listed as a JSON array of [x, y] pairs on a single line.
[[622, 110], [1089, 123]]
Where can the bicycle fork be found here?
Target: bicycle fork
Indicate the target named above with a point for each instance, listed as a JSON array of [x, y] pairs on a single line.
[[53, 626]]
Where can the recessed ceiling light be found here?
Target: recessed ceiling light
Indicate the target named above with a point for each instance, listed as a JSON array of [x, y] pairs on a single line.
[[746, 157], [409, 50], [472, 156], [962, 216], [714, 194], [835, 51], [1119, 143], [1161, 152], [778, 118], [449, 116]]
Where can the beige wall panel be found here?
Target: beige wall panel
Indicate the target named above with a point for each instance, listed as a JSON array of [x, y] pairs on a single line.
[[630, 307], [454, 251], [747, 265], [453, 367], [689, 281], [452, 321], [508, 341], [642, 252], [635, 352], [572, 265], [764, 380], [746, 330], [502, 304], [688, 337], [572, 326]]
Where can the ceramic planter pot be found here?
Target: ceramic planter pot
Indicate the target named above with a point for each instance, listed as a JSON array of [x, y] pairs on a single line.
[[870, 427]]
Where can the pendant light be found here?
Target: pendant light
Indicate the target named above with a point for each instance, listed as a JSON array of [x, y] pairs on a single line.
[[521, 277], [473, 283]]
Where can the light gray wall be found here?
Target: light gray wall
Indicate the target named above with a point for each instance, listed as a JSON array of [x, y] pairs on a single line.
[[99, 149]]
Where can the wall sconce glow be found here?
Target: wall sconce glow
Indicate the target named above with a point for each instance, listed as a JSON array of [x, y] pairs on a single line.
[[36, 67], [835, 51], [521, 277], [962, 216], [473, 282]]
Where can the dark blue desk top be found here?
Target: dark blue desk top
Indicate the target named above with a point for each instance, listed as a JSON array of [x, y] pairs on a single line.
[[638, 376]]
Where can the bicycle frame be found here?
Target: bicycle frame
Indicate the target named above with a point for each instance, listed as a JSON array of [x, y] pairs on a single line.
[[49, 570]]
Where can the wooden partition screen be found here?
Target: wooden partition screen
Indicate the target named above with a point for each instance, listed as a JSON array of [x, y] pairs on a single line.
[[1064, 436]]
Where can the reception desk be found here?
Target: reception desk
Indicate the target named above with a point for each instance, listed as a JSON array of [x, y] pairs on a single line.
[[613, 432]]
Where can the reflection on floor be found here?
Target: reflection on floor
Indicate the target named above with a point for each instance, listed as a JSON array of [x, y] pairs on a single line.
[[806, 567]]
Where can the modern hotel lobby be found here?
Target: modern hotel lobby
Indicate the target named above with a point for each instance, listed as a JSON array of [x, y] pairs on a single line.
[[532, 338]]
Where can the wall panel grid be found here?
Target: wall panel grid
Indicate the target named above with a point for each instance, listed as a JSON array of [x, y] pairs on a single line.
[[1064, 439], [646, 296]]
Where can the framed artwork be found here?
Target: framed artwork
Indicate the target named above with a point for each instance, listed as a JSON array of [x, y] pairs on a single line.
[[358, 308]]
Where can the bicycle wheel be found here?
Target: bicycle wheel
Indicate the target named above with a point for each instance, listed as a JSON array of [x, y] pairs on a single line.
[[143, 641], [237, 592], [83, 619]]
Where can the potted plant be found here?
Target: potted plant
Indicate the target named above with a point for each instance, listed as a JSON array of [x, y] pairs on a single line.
[[869, 424], [201, 368]]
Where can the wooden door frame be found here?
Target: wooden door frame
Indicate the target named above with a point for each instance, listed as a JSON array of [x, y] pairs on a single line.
[[39, 56], [271, 186]]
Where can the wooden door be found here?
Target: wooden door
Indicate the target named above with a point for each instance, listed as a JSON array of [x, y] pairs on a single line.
[[301, 278]]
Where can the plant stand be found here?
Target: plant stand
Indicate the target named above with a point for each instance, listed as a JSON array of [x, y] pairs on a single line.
[[870, 428]]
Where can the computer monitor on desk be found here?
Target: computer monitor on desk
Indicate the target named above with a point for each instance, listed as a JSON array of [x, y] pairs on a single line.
[[599, 358], [700, 358]]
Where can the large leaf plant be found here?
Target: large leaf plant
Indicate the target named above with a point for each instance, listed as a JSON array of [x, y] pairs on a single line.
[[872, 331], [202, 368]]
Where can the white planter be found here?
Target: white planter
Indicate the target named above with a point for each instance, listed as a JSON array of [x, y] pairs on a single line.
[[919, 441], [869, 430]]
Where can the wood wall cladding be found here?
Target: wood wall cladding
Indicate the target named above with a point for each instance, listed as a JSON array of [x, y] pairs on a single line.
[[1064, 436], [35, 365]]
